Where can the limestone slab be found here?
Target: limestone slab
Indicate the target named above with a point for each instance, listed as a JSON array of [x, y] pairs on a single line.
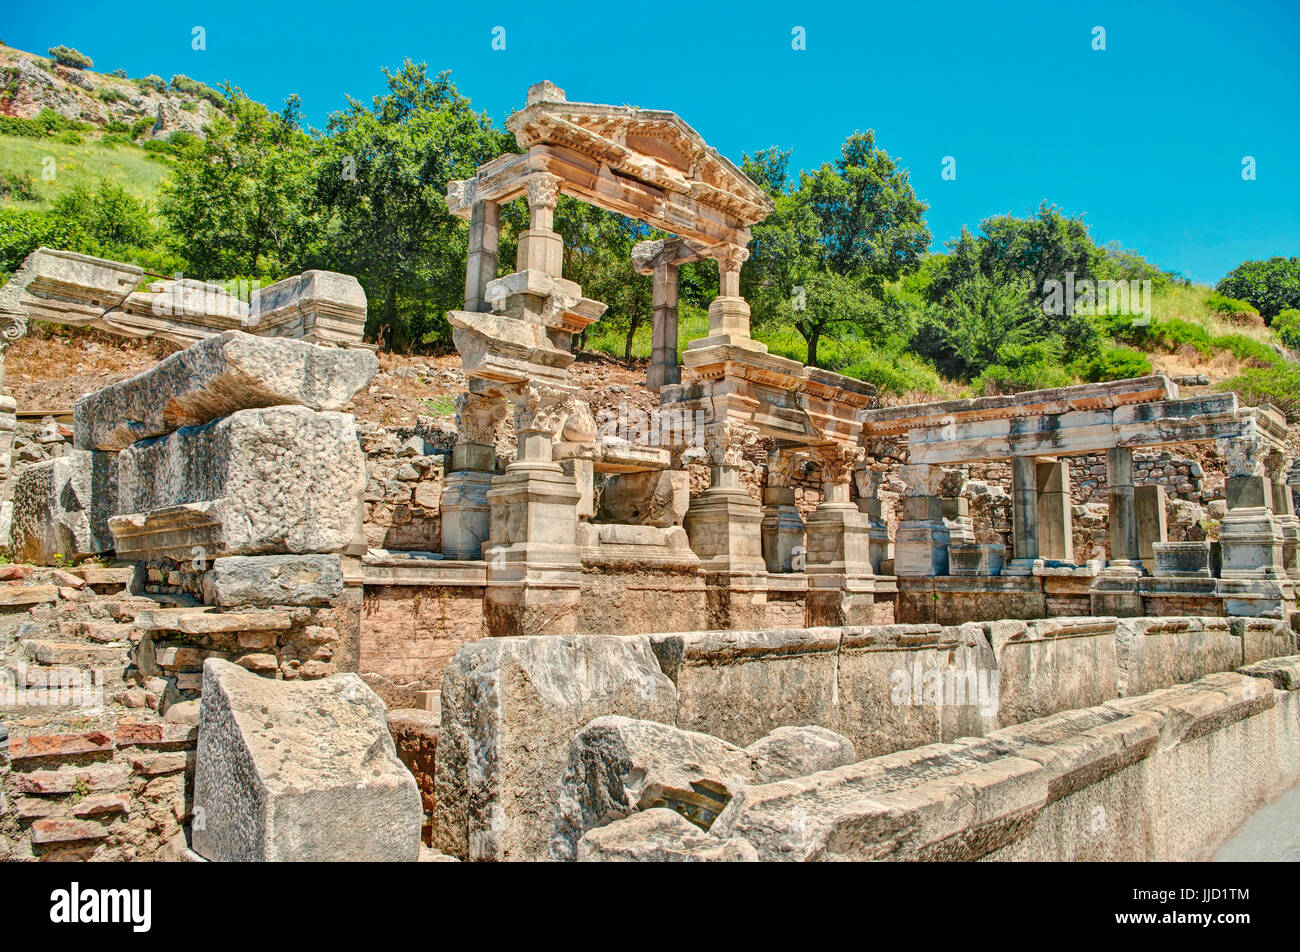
[[299, 771], [216, 377], [266, 580]]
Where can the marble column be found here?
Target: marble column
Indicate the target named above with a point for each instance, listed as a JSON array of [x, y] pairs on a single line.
[[1024, 516], [782, 527], [921, 544], [663, 331], [534, 569], [1055, 510], [868, 483], [1122, 532], [840, 587], [481, 264], [540, 247]]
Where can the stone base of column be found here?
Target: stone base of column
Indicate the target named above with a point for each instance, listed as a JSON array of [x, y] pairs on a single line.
[[661, 373], [840, 583], [1289, 526], [1117, 595], [921, 545], [782, 530], [736, 602], [534, 568], [725, 528], [466, 519], [1252, 544]]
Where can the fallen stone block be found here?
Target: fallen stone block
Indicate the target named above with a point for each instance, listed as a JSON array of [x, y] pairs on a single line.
[[798, 751], [1283, 672], [618, 766], [265, 580], [258, 482], [299, 771], [509, 709], [56, 514], [216, 377], [651, 499], [659, 836]]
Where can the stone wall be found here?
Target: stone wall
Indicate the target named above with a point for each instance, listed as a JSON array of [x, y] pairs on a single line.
[[513, 703]]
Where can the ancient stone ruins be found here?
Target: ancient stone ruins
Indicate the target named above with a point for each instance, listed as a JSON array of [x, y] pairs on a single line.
[[773, 620]]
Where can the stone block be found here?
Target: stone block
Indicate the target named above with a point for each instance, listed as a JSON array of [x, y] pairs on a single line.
[[659, 836], [654, 499], [265, 481], [798, 751], [56, 512], [265, 580], [302, 771], [1185, 559], [510, 707], [980, 559], [618, 766], [215, 378]]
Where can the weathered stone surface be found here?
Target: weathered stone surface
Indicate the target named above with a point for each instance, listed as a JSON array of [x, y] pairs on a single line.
[[265, 580], [299, 771], [798, 751], [652, 499], [264, 481], [216, 377], [55, 513], [1283, 672], [509, 709], [659, 836], [618, 766]]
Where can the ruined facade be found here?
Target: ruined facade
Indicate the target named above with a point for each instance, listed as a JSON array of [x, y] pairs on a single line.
[[586, 655]]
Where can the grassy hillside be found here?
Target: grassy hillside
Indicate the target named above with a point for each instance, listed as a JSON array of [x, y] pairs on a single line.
[[85, 163]]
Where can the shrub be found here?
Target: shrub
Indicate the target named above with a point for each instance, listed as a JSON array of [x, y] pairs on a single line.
[[110, 214], [116, 126], [20, 187], [183, 84], [23, 231], [141, 126], [1229, 307], [1019, 367], [118, 74], [1278, 384], [151, 81], [1115, 363], [1272, 285], [111, 94], [1287, 325], [67, 56], [46, 123]]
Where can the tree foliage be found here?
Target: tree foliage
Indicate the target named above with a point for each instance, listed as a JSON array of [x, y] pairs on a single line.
[[1272, 285]]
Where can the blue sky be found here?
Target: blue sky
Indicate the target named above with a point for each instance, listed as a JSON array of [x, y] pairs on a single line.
[[1146, 137]]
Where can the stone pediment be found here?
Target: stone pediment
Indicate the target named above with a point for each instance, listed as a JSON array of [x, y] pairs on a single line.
[[653, 146]]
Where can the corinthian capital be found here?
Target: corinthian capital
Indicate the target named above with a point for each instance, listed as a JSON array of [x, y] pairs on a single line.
[[922, 480], [838, 461], [543, 190], [477, 417], [724, 443], [729, 257]]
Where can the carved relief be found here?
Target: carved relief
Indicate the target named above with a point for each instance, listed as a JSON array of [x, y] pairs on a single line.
[[724, 443], [921, 480], [477, 418], [543, 190], [838, 461]]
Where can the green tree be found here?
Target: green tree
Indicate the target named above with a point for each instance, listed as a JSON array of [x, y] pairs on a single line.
[[381, 186], [820, 261], [112, 216], [1272, 285], [234, 200]]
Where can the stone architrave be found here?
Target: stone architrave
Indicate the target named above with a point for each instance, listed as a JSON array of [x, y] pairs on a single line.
[[216, 377], [258, 482], [299, 771]]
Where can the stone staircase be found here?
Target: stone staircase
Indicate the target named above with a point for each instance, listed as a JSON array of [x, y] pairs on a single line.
[[89, 768]]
